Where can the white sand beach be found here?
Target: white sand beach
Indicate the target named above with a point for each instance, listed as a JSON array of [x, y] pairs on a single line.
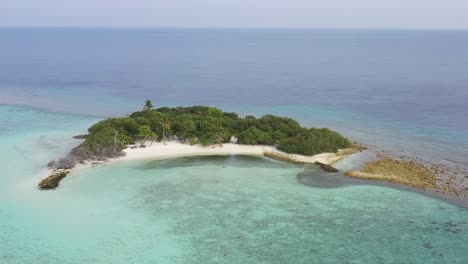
[[174, 149]]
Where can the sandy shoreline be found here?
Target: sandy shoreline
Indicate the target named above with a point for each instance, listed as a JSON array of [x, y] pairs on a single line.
[[173, 149], [176, 149]]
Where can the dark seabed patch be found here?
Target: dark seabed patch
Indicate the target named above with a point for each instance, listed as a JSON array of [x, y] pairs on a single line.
[[313, 176], [240, 161], [310, 175], [236, 215]]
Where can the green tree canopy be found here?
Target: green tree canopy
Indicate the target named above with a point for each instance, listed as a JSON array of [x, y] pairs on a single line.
[[255, 136], [205, 125]]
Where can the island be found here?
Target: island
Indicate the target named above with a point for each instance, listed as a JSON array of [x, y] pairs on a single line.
[[172, 132], [169, 132]]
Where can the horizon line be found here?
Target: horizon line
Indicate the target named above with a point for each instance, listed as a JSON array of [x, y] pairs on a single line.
[[234, 28]]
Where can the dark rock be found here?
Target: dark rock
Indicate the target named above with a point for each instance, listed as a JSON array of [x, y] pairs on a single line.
[[53, 180], [326, 167], [80, 136]]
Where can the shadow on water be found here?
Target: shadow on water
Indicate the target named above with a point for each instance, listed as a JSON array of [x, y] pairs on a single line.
[[240, 161], [313, 176], [310, 175]]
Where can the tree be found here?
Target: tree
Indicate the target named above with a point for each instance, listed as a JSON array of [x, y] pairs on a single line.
[[166, 127], [314, 141], [148, 106], [184, 128], [105, 143], [254, 136], [145, 134], [216, 128]]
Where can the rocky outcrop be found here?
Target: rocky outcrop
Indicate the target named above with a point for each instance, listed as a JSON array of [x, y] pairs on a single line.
[[326, 167], [53, 180], [405, 172]]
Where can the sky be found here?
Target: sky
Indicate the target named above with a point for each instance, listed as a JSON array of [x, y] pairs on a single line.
[[397, 14]]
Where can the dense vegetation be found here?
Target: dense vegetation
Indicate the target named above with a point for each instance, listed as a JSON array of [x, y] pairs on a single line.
[[204, 125], [313, 141]]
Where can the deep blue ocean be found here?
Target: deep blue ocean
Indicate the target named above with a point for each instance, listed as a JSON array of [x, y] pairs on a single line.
[[399, 91]]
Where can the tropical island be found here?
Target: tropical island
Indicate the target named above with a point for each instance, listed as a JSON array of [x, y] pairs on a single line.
[[171, 132], [200, 130]]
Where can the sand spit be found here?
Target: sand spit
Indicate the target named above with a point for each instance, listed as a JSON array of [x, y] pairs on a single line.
[[174, 149]]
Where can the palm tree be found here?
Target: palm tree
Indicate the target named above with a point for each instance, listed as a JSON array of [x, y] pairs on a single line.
[[148, 105]]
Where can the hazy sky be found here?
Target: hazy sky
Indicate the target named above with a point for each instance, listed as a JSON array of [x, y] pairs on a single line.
[[236, 13]]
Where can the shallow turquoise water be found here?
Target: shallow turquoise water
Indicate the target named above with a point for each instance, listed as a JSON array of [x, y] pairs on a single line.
[[205, 210], [401, 91]]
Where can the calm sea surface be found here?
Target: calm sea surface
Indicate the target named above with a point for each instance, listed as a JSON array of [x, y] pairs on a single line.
[[403, 91]]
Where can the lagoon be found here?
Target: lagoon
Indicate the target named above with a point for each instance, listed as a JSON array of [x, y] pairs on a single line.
[[233, 209]]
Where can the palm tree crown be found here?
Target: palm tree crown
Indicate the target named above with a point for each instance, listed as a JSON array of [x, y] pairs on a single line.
[[148, 105]]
